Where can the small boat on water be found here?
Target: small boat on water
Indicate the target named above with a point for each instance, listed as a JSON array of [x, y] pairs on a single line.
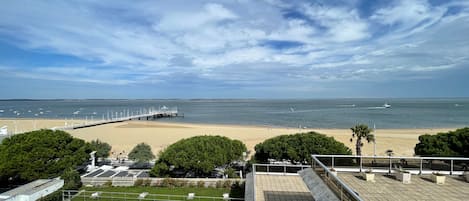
[[1, 111], [76, 112], [386, 105]]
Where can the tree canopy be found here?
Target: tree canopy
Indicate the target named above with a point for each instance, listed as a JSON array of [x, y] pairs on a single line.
[[298, 147], [102, 148], [452, 143], [200, 154], [141, 153], [40, 154]]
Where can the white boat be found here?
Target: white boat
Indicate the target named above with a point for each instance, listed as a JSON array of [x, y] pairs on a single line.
[[386, 105], [1, 111], [76, 112]]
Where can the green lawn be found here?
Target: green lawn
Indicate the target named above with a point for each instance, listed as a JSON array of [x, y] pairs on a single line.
[[164, 193]]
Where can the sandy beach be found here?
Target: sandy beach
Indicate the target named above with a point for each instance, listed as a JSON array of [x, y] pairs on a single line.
[[124, 136]]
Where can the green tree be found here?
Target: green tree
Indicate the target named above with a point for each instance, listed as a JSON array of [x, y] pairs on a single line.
[[200, 154], [102, 148], [298, 147], [141, 153], [39, 154], [72, 180], [361, 131], [452, 143]]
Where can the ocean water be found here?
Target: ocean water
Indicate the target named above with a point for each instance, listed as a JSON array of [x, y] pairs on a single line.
[[316, 113]]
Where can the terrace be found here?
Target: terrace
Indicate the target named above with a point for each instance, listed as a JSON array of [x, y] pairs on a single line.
[[345, 176]]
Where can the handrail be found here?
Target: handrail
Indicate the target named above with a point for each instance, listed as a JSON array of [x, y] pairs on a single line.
[[451, 170], [397, 157], [70, 194], [348, 189]]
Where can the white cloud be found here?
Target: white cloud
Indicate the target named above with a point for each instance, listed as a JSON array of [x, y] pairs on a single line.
[[211, 13], [343, 24], [229, 42]]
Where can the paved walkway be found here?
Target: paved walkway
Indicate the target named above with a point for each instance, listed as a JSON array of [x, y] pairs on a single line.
[[420, 188], [281, 188]]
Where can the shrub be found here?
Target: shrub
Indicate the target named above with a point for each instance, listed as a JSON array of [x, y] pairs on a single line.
[[227, 184], [298, 147], [219, 184], [141, 153], [200, 154], [452, 143], [138, 182], [146, 182], [108, 183], [200, 184]]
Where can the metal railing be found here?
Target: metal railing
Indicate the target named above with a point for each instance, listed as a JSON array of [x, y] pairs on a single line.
[[282, 169], [391, 164], [72, 195], [275, 169], [342, 191]]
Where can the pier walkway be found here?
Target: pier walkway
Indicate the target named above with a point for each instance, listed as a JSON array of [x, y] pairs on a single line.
[[147, 115]]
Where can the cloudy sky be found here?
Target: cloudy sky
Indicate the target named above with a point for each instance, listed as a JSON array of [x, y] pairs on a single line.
[[234, 49]]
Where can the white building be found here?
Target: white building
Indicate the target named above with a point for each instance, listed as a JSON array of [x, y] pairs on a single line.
[[33, 191]]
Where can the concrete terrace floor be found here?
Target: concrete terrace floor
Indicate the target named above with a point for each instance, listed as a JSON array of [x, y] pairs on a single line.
[[421, 188], [281, 188]]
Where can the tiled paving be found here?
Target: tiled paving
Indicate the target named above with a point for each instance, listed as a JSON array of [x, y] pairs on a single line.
[[281, 188], [421, 188]]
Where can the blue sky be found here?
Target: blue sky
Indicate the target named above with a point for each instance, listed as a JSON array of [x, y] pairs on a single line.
[[234, 49]]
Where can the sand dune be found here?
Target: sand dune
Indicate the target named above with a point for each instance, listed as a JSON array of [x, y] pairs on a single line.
[[124, 136]]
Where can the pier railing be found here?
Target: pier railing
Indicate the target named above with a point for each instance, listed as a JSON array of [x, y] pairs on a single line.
[[142, 115]]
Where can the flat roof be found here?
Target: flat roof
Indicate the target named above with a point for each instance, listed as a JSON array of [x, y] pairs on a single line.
[[32, 187], [386, 187], [281, 188]]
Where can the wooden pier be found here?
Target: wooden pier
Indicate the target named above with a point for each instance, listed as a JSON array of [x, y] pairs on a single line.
[[150, 114]]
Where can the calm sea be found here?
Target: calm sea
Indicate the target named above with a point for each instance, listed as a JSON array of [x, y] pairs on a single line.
[[318, 113]]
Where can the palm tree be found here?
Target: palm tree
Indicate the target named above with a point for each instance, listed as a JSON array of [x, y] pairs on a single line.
[[361, 131]]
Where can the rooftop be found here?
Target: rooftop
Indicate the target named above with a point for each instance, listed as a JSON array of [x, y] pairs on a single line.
[[32, 187], [386, 187], [281, 187]]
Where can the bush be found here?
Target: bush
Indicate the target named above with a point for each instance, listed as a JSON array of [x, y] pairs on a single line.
[[201, 184], [237, 190], [227, 184], [138, 182], [169, 182], [141, 153], [146, 182], [298, 147], [200, 154], [55, 196], [72, 180], [102, 148], [108, 183], [452, 143], [219, 184]]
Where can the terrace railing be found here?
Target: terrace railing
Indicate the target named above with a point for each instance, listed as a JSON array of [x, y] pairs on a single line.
[[391, 164], [342, 191], [283, 169], [72, 195]]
